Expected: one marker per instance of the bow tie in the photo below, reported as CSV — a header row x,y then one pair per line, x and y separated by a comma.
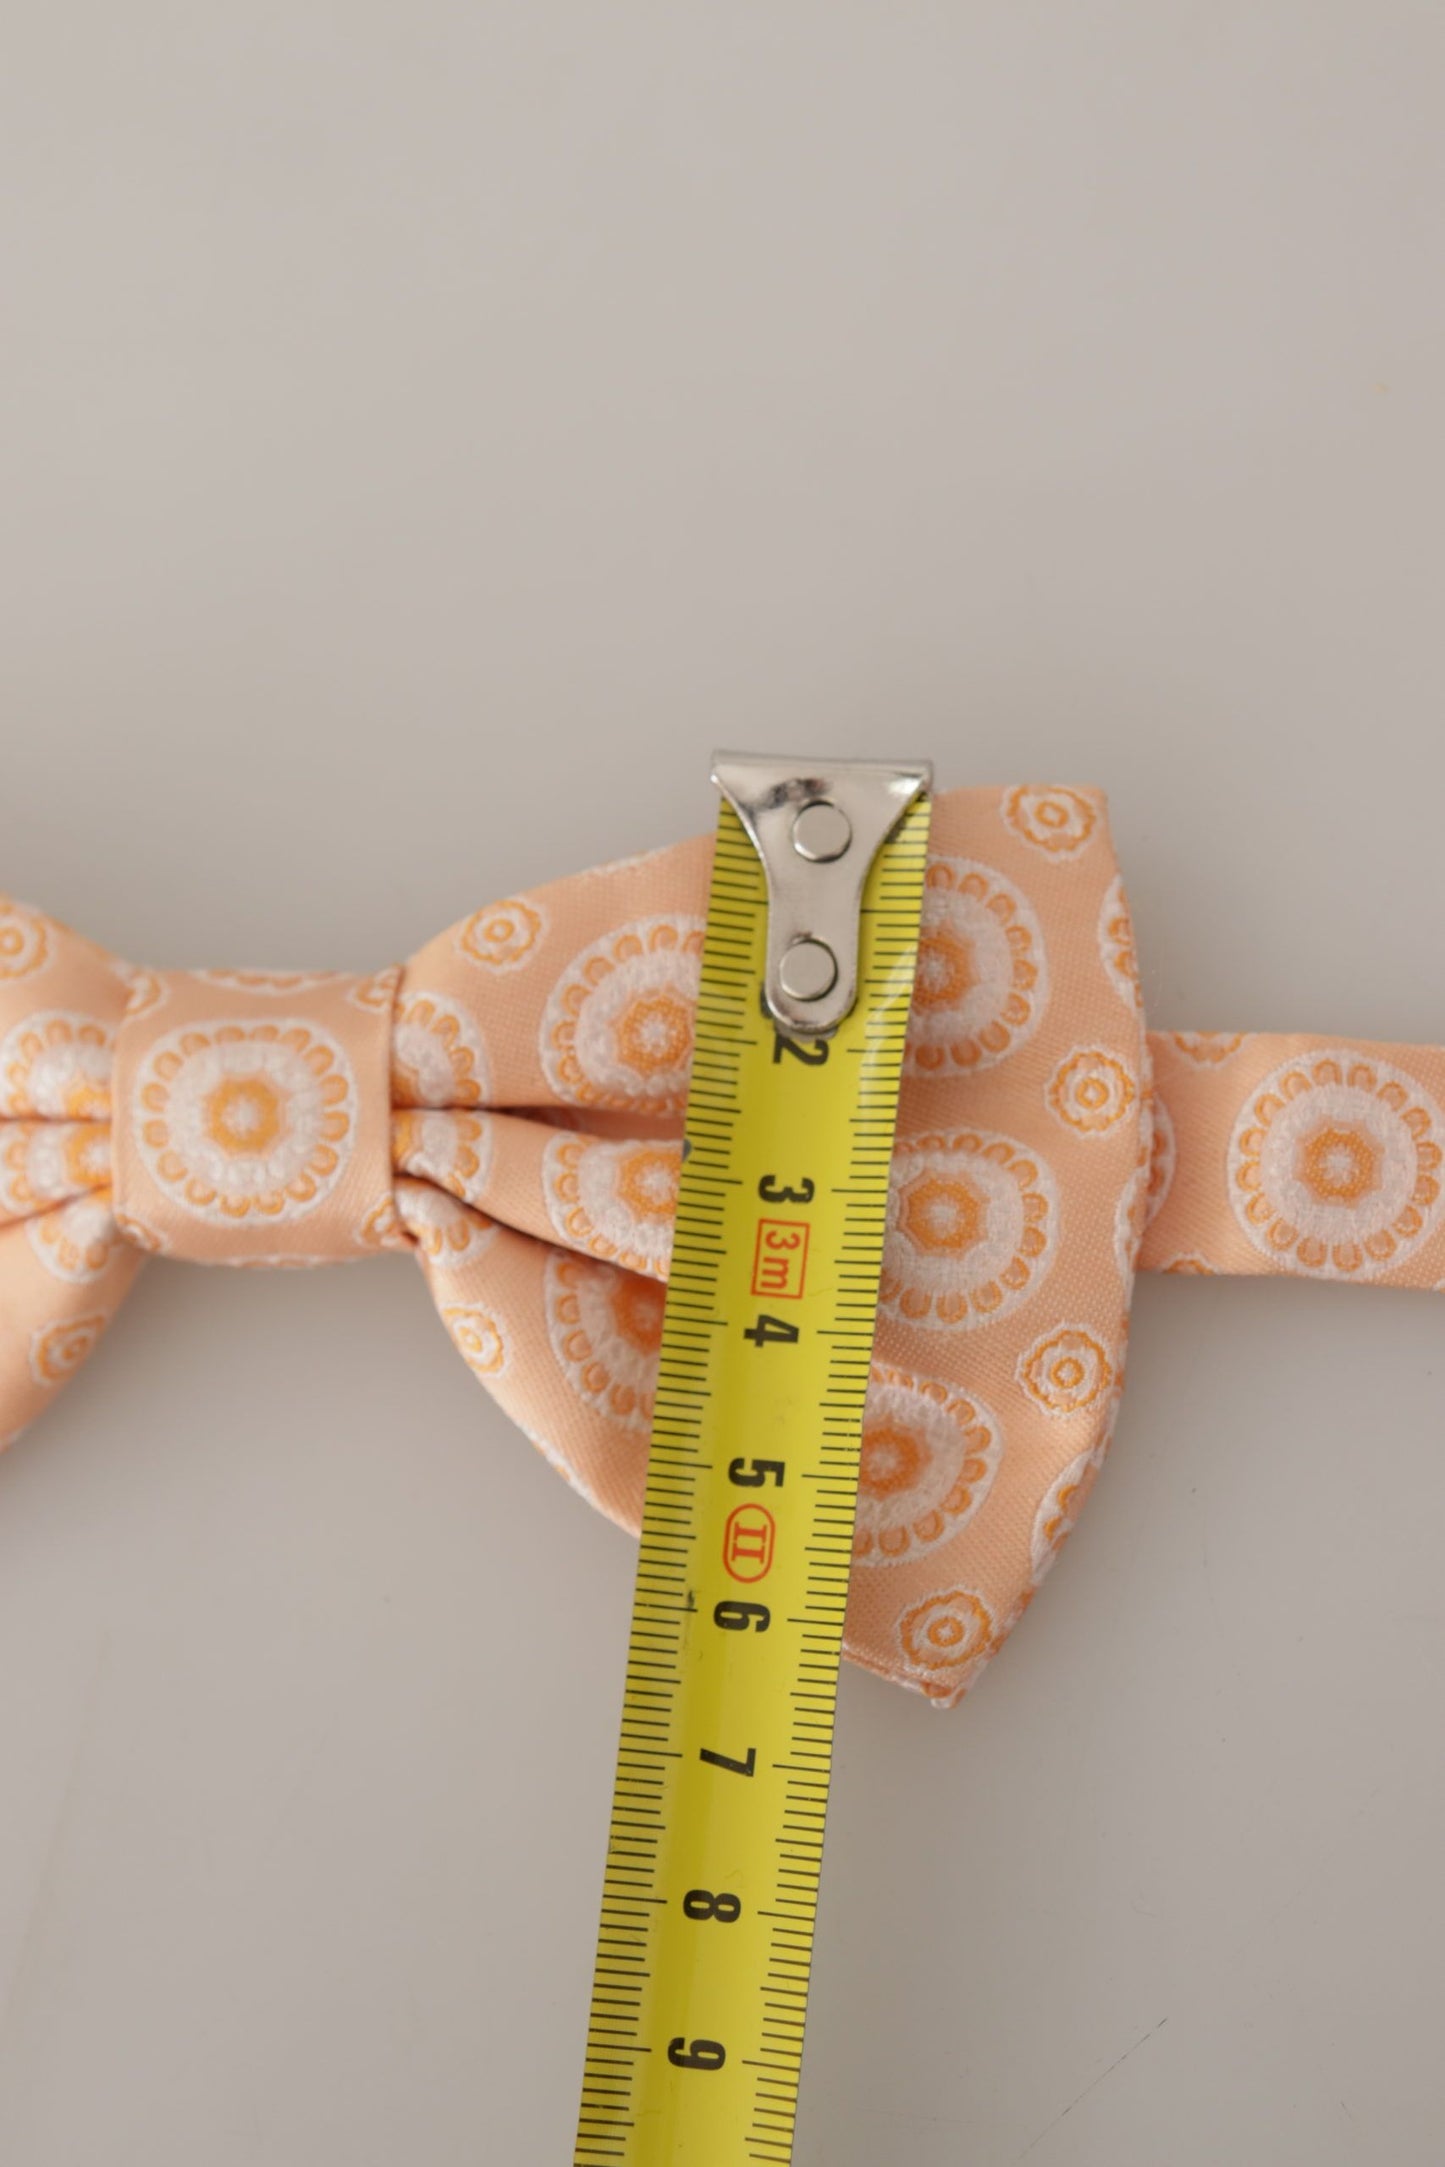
x,y
508,1104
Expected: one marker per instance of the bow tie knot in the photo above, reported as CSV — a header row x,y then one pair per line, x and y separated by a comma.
x,y
251,1115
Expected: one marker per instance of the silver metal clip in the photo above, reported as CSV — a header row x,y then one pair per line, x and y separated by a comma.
x,y
817,826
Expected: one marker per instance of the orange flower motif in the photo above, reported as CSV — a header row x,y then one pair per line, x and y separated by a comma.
x,y
1334,1166
448,1234
929,1457
1055,820
377,992
615,1200
24,940
605,1329
617,1030
1209,1048
75,1241
140,1234
503,935
1116,946
1190,1264
57,1350
144,990
437,1055
452,1149
949,1632
57,1066
982,979
48,1162
477,1338
1059,1510
1092,1091
972,1222
1066,1371
241,1121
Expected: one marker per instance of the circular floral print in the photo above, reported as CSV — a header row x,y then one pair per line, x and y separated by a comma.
x,y
75,1241
947,1634
477,1338
1092,1091
57,1350
605,1328
447,1233
1209,1048
615,1200
617,1030
48,1162
437,1054
929,1456
140,1234
982,978
145,989
503,935
972,1224
1116,946
241,1121
452,1149
1066,1371
1058,821
56,1065
1061,1505
24,939
375,994
1334,1166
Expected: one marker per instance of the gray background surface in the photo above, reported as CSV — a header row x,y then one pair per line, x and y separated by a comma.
x,y
426,431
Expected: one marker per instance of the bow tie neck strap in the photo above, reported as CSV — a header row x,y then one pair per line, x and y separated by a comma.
x,y
1321,1158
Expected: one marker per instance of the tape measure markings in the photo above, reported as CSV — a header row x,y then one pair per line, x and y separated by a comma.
x,y
715,1764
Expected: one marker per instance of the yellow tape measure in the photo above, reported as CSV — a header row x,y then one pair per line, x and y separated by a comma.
x,y
695,2037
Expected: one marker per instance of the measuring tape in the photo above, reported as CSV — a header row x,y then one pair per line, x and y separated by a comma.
x,y
695,2037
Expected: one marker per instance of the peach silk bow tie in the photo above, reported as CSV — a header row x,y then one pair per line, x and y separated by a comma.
x,y
508,1107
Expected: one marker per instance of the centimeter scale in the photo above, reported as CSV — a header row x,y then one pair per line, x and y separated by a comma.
x,y
695,2036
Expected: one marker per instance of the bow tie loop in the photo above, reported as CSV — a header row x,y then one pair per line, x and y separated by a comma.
x,y
252,1117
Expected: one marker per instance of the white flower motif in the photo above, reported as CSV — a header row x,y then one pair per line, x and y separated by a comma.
x,y
1092,1091
1334,1165
617,1029
1058,821
972,1220
477,1338
1059,1509
75,1241
982,980
1116,946
56,1065
504,934
605,1329
438,1057
615,1200
245,1121
928,1461
1066,1371
24,939
448,1234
